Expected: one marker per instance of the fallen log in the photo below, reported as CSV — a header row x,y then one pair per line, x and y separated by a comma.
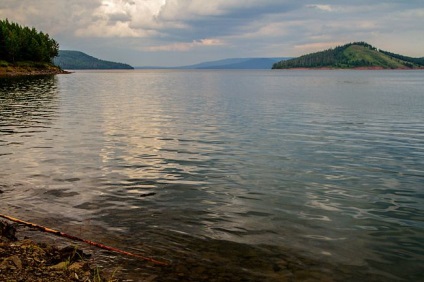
x,y
75,238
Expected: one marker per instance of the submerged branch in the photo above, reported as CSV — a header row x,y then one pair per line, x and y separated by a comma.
x,y
61,234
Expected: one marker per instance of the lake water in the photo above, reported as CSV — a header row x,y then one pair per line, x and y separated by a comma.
x,y
231,175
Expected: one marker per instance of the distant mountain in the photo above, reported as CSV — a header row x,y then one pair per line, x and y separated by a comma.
x,y
73,60
232,63
352,55
215,64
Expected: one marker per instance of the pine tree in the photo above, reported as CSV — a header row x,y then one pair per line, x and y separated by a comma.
x,y
19,43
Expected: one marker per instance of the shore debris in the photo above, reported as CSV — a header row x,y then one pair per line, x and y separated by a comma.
x,y
75,238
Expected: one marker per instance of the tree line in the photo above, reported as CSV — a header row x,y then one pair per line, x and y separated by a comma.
x,y
19,43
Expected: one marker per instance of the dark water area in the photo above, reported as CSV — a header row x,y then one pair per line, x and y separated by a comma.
x,y
230,175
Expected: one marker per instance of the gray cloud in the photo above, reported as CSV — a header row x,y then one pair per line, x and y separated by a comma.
x,y
145,32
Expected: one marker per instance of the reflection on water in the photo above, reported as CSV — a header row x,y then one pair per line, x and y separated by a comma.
x,y
327,166
28,109
27,105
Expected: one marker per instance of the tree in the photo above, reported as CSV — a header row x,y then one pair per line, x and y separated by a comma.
x,y
19,43
12,46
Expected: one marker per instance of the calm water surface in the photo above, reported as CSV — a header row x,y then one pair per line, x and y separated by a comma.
x,y
188,165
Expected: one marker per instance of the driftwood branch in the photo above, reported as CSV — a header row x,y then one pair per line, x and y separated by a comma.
x,y
61,234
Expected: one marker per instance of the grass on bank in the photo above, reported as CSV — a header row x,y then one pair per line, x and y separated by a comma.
x,y
356,54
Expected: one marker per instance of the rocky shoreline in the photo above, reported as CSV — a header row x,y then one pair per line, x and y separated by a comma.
x,y
12,71
26,260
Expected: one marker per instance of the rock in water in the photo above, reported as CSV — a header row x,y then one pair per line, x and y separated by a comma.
x,y
8,231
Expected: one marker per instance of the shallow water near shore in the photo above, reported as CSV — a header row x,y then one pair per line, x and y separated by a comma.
x,y
225,171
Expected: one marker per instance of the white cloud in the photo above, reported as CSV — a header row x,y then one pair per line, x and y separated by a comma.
x,y
123,18
102,29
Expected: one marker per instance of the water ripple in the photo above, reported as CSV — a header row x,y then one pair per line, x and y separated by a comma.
x,y
329,168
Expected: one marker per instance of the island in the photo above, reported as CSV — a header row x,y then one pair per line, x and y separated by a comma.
x,y
357,55
26,51
76,60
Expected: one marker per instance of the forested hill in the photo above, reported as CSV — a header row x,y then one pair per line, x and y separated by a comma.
x,y
73,60
352,55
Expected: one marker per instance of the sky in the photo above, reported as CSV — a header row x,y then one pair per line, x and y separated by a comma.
x,y
184,32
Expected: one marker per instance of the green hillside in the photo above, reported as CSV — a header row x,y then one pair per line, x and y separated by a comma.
x,y
73,60
352,55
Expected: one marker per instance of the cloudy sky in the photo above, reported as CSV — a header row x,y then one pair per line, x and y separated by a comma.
x,y
182,32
